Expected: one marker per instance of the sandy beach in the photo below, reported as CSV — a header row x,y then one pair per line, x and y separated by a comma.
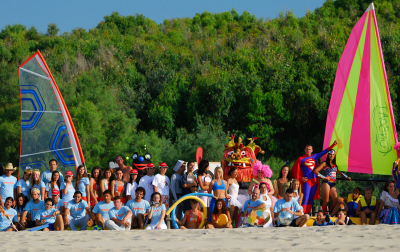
x,y
377,238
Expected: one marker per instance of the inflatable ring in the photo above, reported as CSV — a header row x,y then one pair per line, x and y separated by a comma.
x,y
186,197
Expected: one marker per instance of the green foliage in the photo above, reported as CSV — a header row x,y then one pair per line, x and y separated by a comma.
x,y
191,82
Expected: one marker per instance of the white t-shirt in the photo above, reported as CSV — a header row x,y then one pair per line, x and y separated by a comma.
x,y
147,183
131,188
162,182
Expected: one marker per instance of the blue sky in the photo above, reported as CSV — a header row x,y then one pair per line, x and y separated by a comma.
x,y
71,14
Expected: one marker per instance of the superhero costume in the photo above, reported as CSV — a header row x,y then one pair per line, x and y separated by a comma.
x,y
304,167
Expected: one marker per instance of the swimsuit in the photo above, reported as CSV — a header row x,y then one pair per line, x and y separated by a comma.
x,y
194,219
331,173
213,200
121,190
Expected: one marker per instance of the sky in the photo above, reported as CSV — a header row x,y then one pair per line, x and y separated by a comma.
x,y
87,14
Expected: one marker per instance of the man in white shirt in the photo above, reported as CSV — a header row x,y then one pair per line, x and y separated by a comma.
x,y
161,184
147,181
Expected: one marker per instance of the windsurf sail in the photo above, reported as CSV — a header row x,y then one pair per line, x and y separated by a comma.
x,y
360,114
47,131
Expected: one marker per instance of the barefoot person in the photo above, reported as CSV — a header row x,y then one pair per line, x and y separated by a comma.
x,y
161,184
46,176
289,205
55,184
233,190
124,168
253,204
120,216
7,183
77,213
389,205
220,208
147,181
139,208
192,218
219,188
8,216
349,203
31,209
302,170
94,187
50,216
329,180
367,207
100,211
82,183
156,213
24,185
118,186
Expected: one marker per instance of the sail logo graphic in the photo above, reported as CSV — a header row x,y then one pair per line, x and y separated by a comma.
x,y
382,130
59,145
33,106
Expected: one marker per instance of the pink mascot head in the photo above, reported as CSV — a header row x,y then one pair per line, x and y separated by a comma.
x,y
258,166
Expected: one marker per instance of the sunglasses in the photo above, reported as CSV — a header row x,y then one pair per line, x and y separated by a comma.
x,y
118,158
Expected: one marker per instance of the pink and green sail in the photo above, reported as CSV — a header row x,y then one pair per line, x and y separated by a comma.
x,y
360,114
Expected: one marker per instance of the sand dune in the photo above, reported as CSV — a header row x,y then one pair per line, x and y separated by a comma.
x,y
380,237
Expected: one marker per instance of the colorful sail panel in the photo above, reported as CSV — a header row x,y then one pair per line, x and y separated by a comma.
x,y
47,131
360,114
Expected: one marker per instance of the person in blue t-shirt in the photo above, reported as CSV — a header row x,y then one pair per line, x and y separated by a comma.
x,y
50,216
24,185
292,208
156,213
82,183
322,219
36,183
120,216
32,208
67,189
46,176
253,204
77,213
101,209
139,207
7,183
8,216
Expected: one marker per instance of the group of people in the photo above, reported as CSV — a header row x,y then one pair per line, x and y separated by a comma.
x,y
134,198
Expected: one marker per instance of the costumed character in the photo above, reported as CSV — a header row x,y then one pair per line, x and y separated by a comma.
x,y
141,162
262,173
303,170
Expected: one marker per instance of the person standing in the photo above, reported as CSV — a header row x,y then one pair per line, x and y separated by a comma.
x,y
82,183
161,184
37,183
67,190
24,185
55,184
118,186
303,171
124,168
177,186
189,184
219,187
132,184
94,188
147,181
46,176
7,184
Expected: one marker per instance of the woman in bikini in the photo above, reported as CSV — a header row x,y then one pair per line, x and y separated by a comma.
x,y
94,187
219,188
105,183
118,186
192,218
220,208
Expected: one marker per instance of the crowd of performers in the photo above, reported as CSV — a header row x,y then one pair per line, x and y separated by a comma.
x,y
125,198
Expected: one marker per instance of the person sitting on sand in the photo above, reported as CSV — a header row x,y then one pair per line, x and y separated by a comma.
x,y
22,200
220,209
388,210
253,204
267,200
343,219
57,203
156,213
139,208
32,208
367,207
120,216
100,211
349,203
50,216
290,205
322,219
8,211
76,213
192,218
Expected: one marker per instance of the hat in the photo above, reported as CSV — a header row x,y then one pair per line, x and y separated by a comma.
x,y
162,165
331,151
69,173
134,171
55,192
150,165
28,170
178,165
10,167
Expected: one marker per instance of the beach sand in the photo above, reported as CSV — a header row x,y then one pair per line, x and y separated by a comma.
x,y
364,238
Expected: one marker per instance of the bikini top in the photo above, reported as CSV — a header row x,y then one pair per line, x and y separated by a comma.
x,y
282,187
95,186
118,188
194,219
219,187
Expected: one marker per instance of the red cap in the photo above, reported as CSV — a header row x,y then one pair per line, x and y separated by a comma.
x,y
163,164
150,165
134,171
55,192
69,173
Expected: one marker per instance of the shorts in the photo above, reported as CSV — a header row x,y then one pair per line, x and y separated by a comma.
x,y
292,224
329,183
51,227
